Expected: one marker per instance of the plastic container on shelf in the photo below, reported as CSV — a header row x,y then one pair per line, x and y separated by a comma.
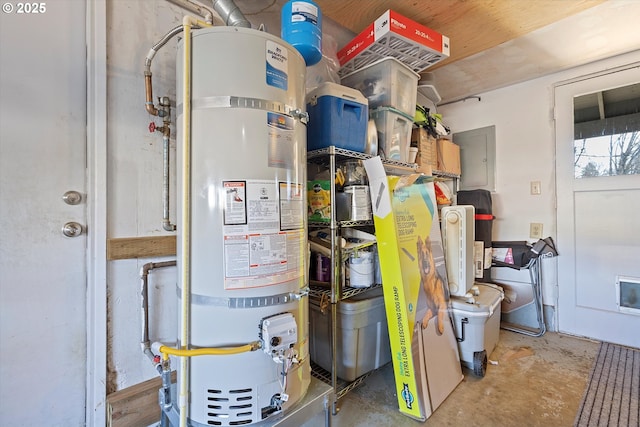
x,y
338,115
386,83
360,207
394,133
362,337
361,269
354,172
322,267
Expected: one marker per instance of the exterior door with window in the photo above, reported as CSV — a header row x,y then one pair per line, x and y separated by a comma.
x,y
598,190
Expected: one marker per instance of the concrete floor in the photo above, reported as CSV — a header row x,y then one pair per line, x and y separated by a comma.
x,y
534,382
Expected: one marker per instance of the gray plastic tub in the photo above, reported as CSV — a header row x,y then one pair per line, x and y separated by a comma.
x,y
362,335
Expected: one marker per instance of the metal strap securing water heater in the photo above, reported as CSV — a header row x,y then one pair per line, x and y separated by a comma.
x,y
245,102
250,302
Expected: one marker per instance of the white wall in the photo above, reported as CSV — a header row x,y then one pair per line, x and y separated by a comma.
x,y
135,179
525,152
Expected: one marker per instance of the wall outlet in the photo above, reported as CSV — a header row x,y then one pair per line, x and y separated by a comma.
x,y
535,230
535,188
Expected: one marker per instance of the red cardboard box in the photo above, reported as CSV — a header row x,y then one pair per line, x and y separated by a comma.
x,y
394,35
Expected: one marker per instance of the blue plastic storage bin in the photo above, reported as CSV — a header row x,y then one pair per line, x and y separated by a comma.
x,y
338,116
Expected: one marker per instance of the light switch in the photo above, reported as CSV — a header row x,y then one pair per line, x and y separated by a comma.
x,y
535,188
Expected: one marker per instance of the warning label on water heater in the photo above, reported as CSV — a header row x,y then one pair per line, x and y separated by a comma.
x,y
277,65
263,233
282,144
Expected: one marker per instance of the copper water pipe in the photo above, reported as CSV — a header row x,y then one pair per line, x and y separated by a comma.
x,y
151,109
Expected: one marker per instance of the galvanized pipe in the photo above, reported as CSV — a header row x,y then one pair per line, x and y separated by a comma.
x,y
166,222
144,296
230,13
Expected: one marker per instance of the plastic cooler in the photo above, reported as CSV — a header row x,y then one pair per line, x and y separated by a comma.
x,y
477,325
386,83
394,133
338,116
362,335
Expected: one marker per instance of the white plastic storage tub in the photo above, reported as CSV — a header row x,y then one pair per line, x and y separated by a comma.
x,y
394,133
386,83
477,325
362,335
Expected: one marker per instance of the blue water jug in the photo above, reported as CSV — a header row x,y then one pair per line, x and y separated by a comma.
x,y
302,28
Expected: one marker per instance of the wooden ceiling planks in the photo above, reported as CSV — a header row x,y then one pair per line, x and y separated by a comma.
x,y
471,25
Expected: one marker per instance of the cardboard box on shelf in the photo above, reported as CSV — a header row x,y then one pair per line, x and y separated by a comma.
x,y
397,36
427,158
448,156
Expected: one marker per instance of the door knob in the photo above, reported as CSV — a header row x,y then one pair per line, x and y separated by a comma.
x,y
72,229
72,197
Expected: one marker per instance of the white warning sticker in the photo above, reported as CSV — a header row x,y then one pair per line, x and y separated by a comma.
x,y
264,238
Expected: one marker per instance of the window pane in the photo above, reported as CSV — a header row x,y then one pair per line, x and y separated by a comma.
x,y
609,155
607,132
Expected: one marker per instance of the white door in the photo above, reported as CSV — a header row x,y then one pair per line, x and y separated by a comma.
x,y
43,282
598,225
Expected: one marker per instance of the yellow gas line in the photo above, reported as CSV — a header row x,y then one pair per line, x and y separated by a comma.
x,y
208,351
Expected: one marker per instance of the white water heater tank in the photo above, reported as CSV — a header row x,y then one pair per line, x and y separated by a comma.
x,y
248,243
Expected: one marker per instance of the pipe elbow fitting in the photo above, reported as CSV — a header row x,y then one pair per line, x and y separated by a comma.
x,y
168,226
156,346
